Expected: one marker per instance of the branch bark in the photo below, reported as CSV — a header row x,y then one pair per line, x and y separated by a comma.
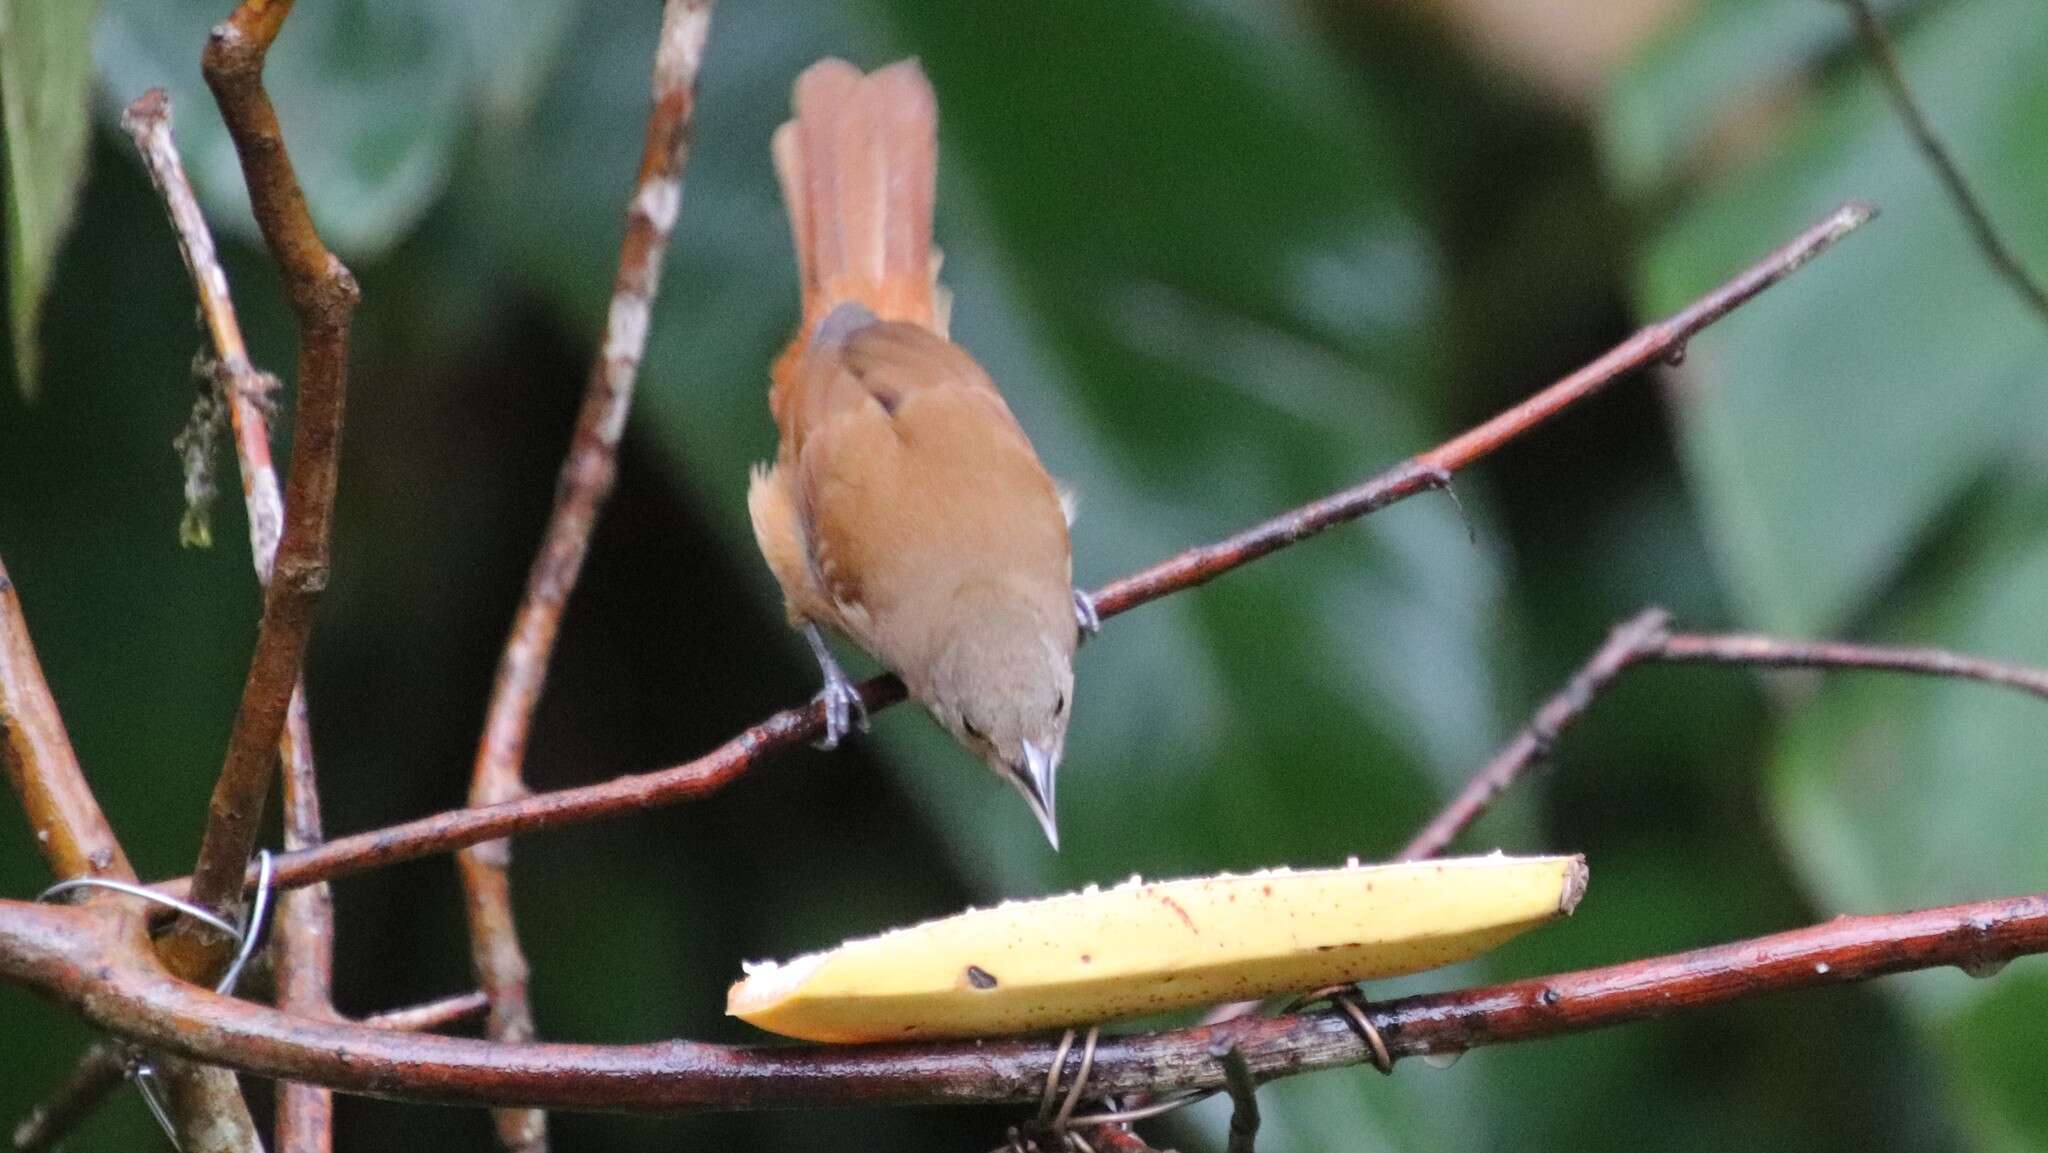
x,y
1647,639
323,295
100,965
344,856
586,482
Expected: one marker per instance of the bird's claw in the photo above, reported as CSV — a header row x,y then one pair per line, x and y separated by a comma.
x,y
1085,615
844,710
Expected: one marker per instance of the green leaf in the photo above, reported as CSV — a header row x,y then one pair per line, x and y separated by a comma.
x,y
376,97
1900,793
1665,104
1832,423
45,73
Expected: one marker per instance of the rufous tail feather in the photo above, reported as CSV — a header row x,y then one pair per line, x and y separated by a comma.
x,y
858,166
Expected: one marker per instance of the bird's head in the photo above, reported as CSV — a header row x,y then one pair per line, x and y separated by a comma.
x,y
1003,685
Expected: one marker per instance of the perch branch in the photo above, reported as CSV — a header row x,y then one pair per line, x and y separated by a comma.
x,y
1877,44
1647,639
100,965
790,728
586,481
323,295
305,917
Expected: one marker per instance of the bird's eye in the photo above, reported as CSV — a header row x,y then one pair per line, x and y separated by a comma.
x,y
1059,704
968,725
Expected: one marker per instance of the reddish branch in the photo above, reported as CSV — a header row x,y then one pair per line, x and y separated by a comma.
x,y
586,482
323,295
1647,639
432,1015
69,829
790,728
305,917
100,965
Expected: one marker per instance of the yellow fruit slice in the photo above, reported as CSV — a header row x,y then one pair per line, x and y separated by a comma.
x,y
1138,949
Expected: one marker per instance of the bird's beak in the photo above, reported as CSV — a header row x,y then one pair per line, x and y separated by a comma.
x,y
1035,780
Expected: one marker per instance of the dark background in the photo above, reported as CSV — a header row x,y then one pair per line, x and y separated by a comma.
x,y
1224,257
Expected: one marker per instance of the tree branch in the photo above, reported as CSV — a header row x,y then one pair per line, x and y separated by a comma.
x,y
789,728
432,1015
305,917
1647,639
587,476
323,295
99,964
97,1074
1877,44
69,829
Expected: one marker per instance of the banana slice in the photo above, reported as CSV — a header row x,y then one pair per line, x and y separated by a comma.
x,y
1139,948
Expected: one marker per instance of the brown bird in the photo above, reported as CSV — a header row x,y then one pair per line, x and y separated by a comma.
x,y
906,509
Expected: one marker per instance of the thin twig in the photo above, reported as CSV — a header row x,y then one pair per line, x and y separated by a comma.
x,y
323,295
791,728
1877,43
1244,1099
100,966
98,1073
1646,639
303,946
432,1015
586,481
305,917
1625,645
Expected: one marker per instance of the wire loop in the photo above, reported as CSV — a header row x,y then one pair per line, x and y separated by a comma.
x,y
135,1062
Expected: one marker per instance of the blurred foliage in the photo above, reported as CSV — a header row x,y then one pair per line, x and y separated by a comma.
x,y
45,73
1224,258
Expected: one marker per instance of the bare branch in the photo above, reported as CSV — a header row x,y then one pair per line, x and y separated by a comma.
x,y
97,1074
99,964
1877,44
1646,639
432,1015
323,295
70,830
305,917
444,832
588,474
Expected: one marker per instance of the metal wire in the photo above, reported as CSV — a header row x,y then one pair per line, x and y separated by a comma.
x,y
136,1063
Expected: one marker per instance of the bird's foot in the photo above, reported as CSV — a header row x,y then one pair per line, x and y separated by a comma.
x,y
844,708
1085,615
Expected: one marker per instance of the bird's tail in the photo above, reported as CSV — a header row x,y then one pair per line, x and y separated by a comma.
x,y
858,165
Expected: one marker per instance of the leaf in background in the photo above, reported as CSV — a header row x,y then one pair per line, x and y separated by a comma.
x,y
1867,414
1830,425
1898,793
1663,106
45,73
375,95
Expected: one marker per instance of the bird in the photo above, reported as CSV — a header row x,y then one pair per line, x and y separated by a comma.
x,y
905,509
